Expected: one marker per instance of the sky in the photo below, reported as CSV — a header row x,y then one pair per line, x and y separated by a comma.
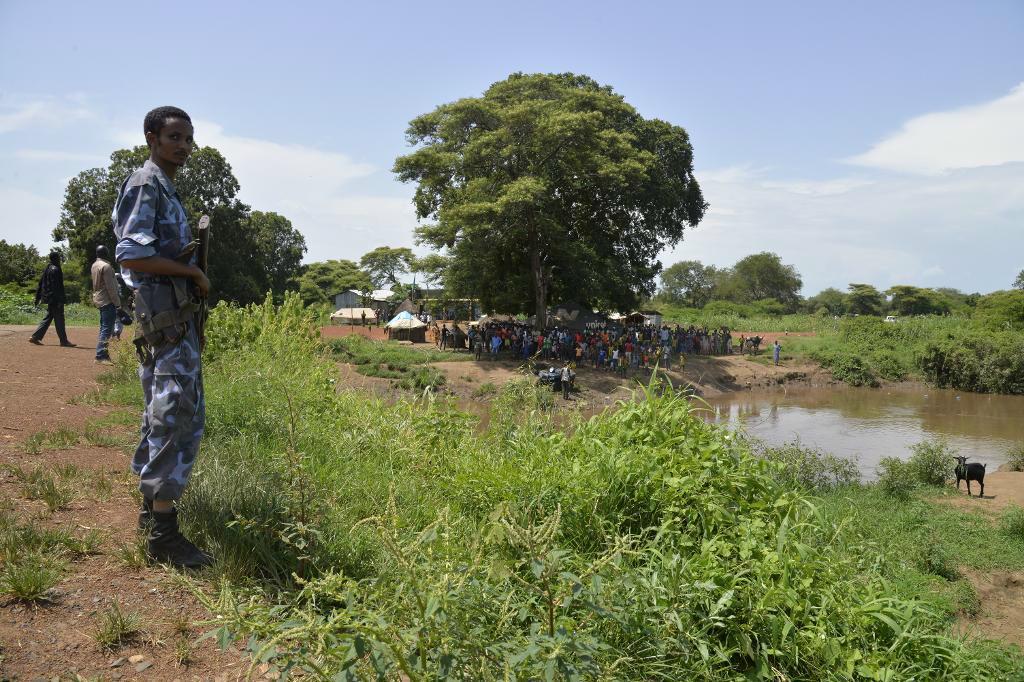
x,y
873,142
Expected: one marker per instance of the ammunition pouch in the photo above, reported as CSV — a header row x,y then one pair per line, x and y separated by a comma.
x,y
164,308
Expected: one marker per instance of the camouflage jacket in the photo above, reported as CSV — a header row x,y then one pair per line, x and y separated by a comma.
x,y
149,220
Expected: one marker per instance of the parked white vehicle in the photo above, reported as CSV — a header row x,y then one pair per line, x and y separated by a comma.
x,y
890,318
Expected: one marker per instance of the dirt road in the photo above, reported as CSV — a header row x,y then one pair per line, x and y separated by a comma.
x,y
86,453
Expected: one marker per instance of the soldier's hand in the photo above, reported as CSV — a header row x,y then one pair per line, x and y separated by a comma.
x,y
202,283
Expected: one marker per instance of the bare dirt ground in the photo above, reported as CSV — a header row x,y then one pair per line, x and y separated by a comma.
x,y
1001,592
40,390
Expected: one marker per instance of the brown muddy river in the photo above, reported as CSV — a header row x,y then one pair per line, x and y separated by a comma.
x,y
866,424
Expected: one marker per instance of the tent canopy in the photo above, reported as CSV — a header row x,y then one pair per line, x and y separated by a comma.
x,y
405,320
347,315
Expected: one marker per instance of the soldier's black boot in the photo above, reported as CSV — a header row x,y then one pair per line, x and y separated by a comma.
x,y
145,515
168,546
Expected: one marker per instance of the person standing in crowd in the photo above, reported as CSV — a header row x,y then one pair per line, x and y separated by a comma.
x,y
152,233
566,381
106,297
776,352
51,292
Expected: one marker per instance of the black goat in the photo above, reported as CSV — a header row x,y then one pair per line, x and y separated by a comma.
x,y
969,472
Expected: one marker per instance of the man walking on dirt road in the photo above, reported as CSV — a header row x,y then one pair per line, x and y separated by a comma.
x,y
107,298
51,292
153,242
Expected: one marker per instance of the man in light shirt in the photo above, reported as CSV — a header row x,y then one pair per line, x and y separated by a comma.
x,y
107,298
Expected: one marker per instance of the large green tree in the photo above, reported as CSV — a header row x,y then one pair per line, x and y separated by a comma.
x,y
831,300
763,275
550,186
384,264
864,299
688,283
251,252
19,263
320,281
1019,282
433,268
905,299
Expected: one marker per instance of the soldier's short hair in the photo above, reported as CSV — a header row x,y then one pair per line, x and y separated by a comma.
x,y
156,119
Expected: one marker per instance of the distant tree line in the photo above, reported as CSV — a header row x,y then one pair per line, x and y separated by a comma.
x,y
762,284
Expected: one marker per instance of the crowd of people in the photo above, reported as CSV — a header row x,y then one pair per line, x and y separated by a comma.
x,y
610,347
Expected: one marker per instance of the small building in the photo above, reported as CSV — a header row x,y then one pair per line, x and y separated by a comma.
x,y
352,298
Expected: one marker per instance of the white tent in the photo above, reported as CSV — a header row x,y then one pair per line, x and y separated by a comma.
x,y
353,316
405,320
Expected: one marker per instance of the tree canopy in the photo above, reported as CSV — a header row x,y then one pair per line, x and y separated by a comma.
x,y
550,186
864,299
689,283
384,264
251,252
320,281
1019,282
910,300
19,264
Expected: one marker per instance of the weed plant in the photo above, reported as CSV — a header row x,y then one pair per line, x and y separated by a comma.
x,y
1011,522
60,438
810,469
30,577
1015,458
359,540
38,484
931,461
116,627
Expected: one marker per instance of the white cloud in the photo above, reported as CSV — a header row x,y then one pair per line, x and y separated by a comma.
x,y
52,155
48,111
959,229
987,134
27,217
311,187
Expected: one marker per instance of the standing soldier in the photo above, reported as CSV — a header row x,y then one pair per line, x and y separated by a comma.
x,y
152,234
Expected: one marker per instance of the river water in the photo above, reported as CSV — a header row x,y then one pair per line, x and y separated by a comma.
x,y
866,424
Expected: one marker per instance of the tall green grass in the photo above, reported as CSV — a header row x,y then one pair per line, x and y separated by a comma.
x,y
19,309
358,539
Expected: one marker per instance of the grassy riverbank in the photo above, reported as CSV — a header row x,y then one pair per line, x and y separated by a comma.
x,y
354,535
969,353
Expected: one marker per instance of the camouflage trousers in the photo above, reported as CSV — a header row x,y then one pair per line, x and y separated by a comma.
x,y
173,419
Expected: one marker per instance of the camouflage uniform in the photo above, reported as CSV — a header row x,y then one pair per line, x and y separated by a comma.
x,y
149,220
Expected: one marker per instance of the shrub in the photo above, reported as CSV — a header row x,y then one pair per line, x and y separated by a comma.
x,y
797,466
965,598
895,477
984,362
888,366
934,558
1015,458
1011,522
931,462
846,367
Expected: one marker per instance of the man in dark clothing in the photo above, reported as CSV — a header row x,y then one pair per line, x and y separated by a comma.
x,y
51,292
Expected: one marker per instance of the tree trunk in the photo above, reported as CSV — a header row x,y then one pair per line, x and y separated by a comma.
x,y
540,288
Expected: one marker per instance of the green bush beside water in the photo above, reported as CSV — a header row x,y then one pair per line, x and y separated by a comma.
x,y
357,538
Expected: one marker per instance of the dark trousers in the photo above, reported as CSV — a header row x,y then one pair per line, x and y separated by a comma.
x,y
55,314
